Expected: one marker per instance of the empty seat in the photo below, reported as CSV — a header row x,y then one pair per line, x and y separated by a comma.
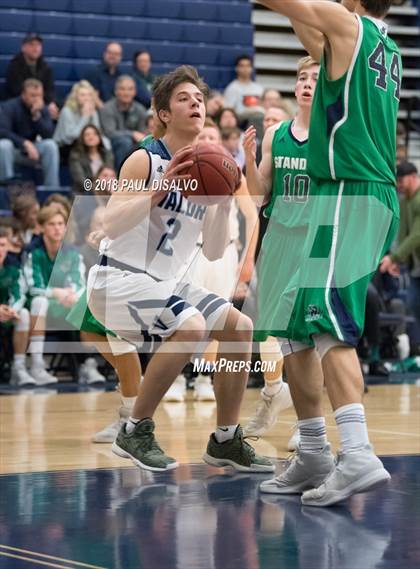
x,y
199,10
167,53
99,7
16,20
58,46
16,4
62,88
62,68
163,8
202,32
90,25
126,27
226,75
164,30
228,54
57,5
236,34
4,62
94,47
82,67
11,42
127,7
52,23
234,12
201,55
210,74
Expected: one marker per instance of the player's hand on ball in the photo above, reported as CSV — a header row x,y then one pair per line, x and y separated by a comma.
x,y
249,143
178,164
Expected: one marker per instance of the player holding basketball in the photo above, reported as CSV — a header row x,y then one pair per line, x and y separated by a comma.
x,y
354,217
282,167
136,293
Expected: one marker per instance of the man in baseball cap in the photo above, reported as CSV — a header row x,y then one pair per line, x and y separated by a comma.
x,y
29,64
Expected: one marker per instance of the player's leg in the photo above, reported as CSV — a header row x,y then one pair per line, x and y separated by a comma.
x,y
40,305
20,375
358,468
136,440
124,358
203,388
275,395
313,459
226,445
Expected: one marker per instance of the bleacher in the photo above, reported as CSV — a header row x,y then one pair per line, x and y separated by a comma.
x,y
208,34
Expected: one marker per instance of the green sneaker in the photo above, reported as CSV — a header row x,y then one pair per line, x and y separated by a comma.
x,y
141,446
237,453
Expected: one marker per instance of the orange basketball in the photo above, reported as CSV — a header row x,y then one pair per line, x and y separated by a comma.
x,y
214,174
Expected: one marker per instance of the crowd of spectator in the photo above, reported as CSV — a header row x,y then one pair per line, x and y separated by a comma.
x,y
104,117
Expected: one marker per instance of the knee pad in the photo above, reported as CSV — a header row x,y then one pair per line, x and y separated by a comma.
x,y
325,342
120,347
22,325
290,347
39,306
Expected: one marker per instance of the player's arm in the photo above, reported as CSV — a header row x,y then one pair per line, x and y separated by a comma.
x,y
312,39
128,207
252,225
216,230
259,179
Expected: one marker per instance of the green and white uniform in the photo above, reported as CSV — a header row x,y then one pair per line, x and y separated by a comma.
x,y
42,273
12,287
353,206
287,230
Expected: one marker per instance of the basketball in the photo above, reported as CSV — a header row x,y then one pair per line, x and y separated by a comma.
x,y
215,171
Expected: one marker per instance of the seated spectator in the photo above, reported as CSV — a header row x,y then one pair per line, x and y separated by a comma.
x,y
26,132
215,104
150,125
244,94
271,98
227,118
12,228
25,209
87,157
123,119
274,115
55,275
408,249
13,315
231,140
29,64
104,76
143,77
80,109
85,205
60,201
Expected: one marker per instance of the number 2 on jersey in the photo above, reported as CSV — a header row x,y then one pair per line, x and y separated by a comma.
x,y
174,225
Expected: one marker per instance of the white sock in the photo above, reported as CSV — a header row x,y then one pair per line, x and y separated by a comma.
x,y
36,349
313,434
225,433
351,424
19,361
272,387
128,402
131,424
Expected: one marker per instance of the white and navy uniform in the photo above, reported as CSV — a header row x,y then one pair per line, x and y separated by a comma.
x,y
220,276
137,289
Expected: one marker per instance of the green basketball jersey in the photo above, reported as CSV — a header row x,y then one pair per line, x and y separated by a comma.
x,y
354,119
291,184
12,285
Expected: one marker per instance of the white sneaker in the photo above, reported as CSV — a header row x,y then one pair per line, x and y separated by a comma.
x,y
403,346
203,389
304,470
110,432
268,411
358,470
42,377
176,392
89,373
20,377
294,440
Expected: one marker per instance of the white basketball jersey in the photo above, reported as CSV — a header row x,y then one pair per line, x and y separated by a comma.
x,y
165,240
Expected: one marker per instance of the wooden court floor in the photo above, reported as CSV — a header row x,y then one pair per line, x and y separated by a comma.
x,y
49,431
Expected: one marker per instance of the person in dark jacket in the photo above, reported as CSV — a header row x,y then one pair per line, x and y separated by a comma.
x,y
143,77
29,64
26,132
88,157
104,75
123,119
